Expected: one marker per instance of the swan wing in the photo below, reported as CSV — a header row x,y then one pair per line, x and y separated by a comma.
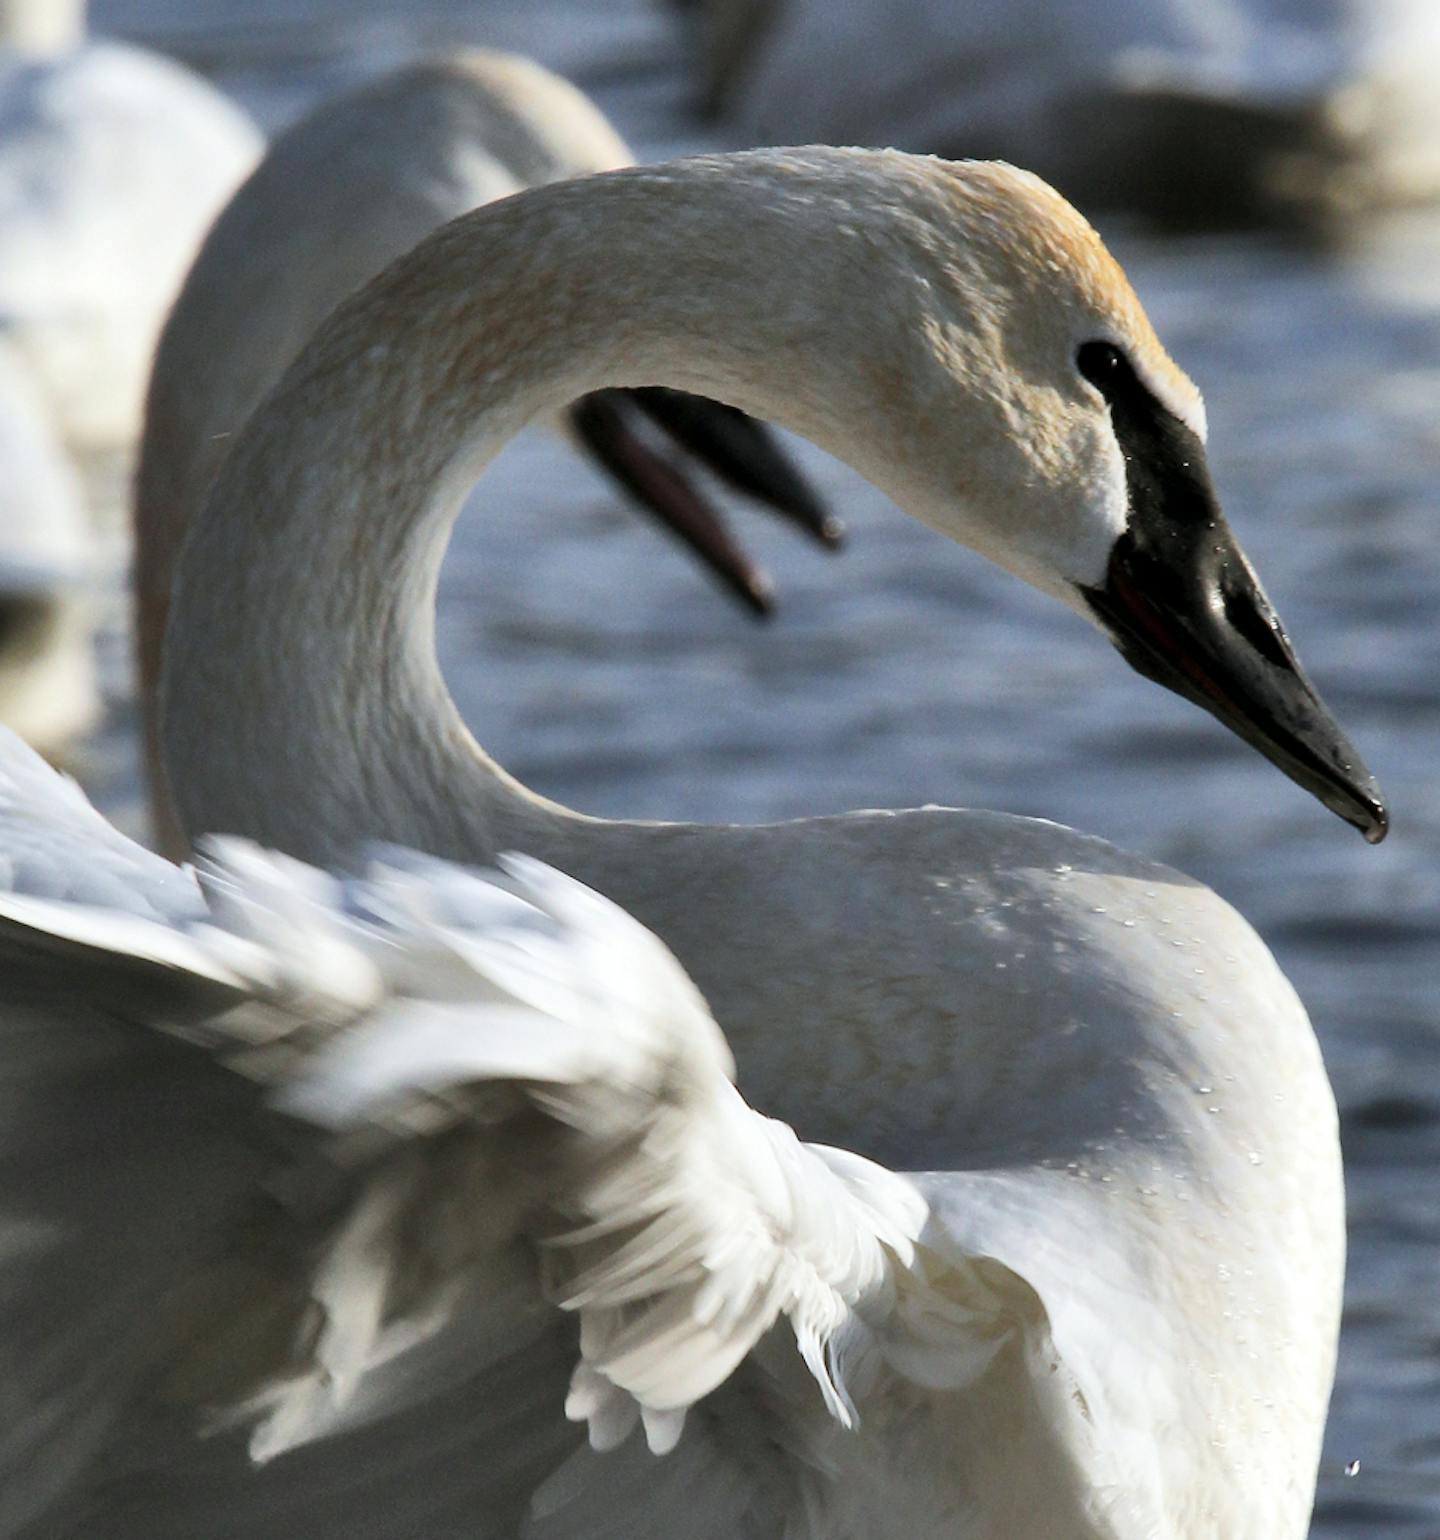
x,y
258,1096
54,846
787,1323
672,1221
737,1292
306,1218
114,1143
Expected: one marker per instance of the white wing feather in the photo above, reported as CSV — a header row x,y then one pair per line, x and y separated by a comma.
x,y
329,1260
54,845
679,1224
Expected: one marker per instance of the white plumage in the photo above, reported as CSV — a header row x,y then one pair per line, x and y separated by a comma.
x,y
47,675
112,163
1120,1315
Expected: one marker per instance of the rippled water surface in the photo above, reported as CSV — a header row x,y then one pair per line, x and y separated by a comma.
x,y
597,664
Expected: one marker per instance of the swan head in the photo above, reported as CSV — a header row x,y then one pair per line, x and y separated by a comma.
x,y
1056,436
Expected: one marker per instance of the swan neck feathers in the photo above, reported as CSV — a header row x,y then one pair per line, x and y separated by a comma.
x,y
911,315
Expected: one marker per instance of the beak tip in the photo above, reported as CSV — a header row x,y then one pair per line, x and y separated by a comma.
x,y
1377,825
759,592
1362,805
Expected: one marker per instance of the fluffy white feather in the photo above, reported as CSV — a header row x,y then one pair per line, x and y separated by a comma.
x,y
678,1223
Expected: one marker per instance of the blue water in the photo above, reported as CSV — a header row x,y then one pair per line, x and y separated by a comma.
x,y
604,671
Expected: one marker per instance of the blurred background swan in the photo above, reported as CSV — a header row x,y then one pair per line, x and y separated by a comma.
x,y
1198,113
48,563
113,161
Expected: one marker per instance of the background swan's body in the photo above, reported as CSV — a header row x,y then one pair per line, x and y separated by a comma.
x,y
339,196
1132,1343
113,161
931,988
1234,109
47,674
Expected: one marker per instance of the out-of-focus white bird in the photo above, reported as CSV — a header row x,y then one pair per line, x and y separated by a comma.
x,y
1234,109
342,193
331,1206
47,564
113,162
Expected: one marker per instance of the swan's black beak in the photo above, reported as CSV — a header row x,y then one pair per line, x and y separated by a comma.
x,y
1183,605
734,447
1213,638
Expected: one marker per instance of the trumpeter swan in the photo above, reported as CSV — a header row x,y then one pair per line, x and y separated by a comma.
x,y
47,672
933,988
333,1205
113,161
341,194
1231,109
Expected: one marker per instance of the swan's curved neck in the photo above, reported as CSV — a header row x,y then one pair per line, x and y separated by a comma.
x,y
42,27
302,699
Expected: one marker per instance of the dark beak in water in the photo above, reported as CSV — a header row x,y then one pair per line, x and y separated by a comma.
x,y
1184,607
622,429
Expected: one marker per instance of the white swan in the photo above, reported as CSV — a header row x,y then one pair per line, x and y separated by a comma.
x,y
501,1178
1233,108
47,670
340,195
112,163
934,988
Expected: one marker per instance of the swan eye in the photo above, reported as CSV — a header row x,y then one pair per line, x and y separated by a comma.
x,y
1102,363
